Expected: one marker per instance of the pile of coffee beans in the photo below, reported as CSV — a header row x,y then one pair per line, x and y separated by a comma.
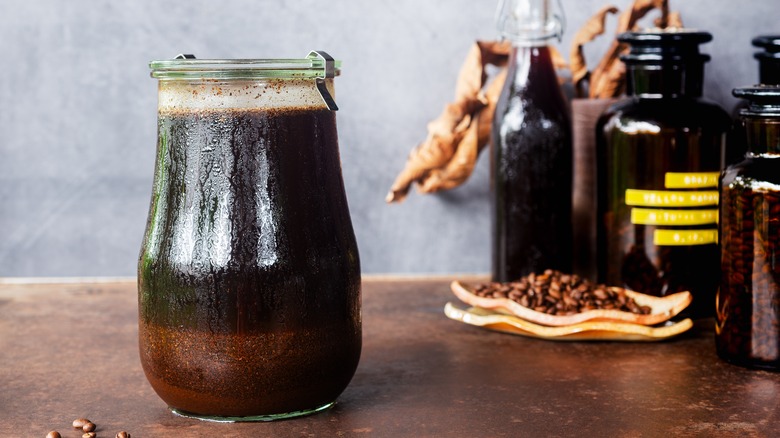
x,y
88,428
556,293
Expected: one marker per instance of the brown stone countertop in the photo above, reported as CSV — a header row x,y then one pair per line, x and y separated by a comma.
x,y
70,350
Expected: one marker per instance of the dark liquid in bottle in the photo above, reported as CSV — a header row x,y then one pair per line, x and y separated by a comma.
x,y
531,171
249,277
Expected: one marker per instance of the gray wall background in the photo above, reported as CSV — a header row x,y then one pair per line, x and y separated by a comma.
x,y
78,114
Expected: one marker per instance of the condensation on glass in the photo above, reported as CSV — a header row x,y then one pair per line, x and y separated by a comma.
x,y
248,277
531,150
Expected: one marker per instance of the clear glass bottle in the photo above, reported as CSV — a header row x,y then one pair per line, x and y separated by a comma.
x,y
531,153
660,153
748,301
248,277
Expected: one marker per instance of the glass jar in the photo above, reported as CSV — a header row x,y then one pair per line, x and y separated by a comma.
x,y
748,301
531,151
248,278
660,154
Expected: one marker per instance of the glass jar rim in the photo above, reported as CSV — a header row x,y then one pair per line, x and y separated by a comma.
x,y
241,68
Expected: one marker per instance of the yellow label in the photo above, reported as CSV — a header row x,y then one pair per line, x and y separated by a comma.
x,y
685,237
657,216
671,198
690,180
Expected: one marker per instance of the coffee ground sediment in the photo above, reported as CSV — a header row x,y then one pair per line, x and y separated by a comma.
x,y
249,374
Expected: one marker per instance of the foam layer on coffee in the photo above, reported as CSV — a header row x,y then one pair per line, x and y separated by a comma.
x,y
210,95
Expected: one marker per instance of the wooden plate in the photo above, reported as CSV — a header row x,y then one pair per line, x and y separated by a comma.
x,y
584,331
662,308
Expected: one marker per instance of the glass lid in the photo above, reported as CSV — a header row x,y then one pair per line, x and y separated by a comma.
x,y
186,66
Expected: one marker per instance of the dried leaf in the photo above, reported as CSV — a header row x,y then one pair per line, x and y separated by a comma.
x,y
558,61
639,9
587,33
495,52
461,166
673,21
602,81
663,20
451,126
492,94
613,81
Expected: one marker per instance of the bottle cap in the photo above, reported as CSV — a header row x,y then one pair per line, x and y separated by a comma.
x,y
675,46
769,59
770,43
764,100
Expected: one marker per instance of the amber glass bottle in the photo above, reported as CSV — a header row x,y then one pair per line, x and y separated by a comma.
x,y
531,154
659,157
748,301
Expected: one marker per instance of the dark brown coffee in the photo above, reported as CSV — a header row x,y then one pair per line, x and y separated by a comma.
x,y
249,279
531,170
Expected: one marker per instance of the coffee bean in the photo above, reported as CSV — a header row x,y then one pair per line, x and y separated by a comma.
x,y
123,434
88,427
80,422
555,293
53,434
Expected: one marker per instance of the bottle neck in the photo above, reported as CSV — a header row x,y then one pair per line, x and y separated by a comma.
x,y
665,80
769,70
768,59
529,63
762,134
529,22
